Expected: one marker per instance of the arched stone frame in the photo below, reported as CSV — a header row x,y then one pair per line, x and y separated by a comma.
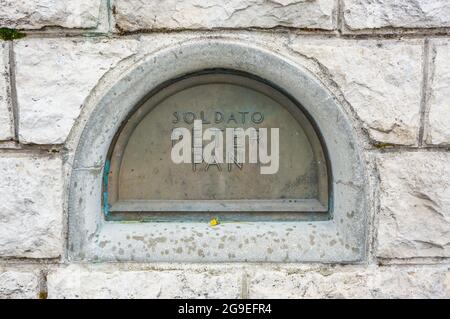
x,y
340,239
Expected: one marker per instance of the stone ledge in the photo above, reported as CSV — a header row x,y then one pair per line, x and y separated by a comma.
x,y
135,15
98,282
253,281
437,129
414,216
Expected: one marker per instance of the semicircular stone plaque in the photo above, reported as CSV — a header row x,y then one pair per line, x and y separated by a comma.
x,y
143,178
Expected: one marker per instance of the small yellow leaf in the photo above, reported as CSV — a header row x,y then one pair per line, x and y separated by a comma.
x,y
214,222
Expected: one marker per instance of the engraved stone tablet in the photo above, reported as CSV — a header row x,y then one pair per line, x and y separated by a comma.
x,y
143,177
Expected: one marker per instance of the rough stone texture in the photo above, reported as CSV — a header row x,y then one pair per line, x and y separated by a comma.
x,y
380,79
414,217
54,76
291,281
35,14
6,129
341,282
439,103
30,206
79,282
367,14
132,15
18,285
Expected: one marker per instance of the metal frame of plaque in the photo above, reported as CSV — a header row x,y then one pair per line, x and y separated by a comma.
x,y
156,209
338,238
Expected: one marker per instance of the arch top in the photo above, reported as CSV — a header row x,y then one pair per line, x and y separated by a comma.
x,y
346,221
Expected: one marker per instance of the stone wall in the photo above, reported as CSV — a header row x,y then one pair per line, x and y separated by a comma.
x,y
387,63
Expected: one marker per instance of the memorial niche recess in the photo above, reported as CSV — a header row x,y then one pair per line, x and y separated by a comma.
x,y
142,181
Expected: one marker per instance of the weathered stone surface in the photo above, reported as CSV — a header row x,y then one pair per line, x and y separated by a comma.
x,y
18,285
79,282
6,129
367,14
35,14
30,206
54,77
438,130
380,79
414,216
284,284
196,14
351,282
285,281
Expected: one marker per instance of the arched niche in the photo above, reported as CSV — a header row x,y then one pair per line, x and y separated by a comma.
x,y
323,221
142,180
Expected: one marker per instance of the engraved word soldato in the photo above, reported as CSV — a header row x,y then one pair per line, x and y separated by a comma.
x,y
225,148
